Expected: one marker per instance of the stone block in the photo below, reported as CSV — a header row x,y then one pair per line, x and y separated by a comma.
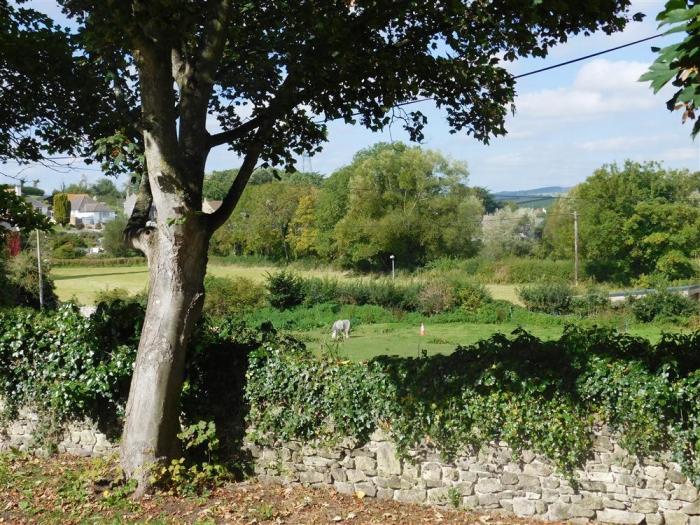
x,y
385,494
614,504
489,500
438,495
602,444
448,473
391,482
558,511
550,483
591,502
344,488
488,486
622,517
654,519
655,472
311,477
676,518
411,471
465,488
432,474
368,488
509,478
366,465
523,507
675,476
528,482
387,461
527,456
647,506
537,468
410,495
607,477
685,493
470,502
355,476
692,509
339,474
577,511
465,475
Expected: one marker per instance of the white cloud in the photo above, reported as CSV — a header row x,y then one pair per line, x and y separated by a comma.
x,y
601,87
620,142
676,154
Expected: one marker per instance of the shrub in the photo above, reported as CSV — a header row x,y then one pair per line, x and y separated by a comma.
x,y
552,298
436,297
227,296
592,302
471,296
284,289
663,304
113,295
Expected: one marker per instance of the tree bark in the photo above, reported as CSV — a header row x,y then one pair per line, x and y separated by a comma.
x,y
177,264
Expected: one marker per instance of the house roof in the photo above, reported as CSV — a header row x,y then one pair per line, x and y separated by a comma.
x,y
82,202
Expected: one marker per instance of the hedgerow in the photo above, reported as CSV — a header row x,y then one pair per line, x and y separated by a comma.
x,y
542,396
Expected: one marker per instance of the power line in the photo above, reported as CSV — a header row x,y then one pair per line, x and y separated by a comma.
x,y
522,75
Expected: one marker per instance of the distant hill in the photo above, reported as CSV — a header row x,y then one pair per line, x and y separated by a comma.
x,y
534,198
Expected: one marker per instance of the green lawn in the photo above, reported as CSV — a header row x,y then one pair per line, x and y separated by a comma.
x,y
367,341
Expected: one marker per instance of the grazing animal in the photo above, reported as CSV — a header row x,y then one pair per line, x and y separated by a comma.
x,y
341,326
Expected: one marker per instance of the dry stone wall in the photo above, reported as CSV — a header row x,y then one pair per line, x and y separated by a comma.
x,y
614,487
78,439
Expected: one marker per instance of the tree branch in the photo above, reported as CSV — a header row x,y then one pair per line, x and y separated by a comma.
x,y
216,219
233,134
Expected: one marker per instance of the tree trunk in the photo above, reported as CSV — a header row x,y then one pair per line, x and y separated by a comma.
x,y
177,258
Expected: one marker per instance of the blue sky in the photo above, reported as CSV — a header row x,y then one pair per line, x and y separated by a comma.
x,y
568,121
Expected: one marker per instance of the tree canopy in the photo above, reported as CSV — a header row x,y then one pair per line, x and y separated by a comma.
x,y
631,217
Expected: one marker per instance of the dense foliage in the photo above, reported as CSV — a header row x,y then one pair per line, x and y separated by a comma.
x,y
663,304
634,220
543,396
548,297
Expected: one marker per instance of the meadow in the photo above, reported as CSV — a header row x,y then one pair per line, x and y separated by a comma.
x,y
83,283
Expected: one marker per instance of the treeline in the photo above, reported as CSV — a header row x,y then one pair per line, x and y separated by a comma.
x,y
637,221
391,200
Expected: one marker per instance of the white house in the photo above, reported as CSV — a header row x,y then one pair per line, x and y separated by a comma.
x,y
86,210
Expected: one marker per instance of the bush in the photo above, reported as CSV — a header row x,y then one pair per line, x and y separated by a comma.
x,y
594,301
436,297
113,295
551,298
100,261
472,296
284,289
663,304
230,296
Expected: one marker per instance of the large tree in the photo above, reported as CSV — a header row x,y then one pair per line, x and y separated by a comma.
x,y
137,84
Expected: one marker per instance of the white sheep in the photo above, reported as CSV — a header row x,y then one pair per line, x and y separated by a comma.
x,y
340,326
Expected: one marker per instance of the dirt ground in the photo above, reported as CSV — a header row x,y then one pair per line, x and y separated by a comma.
x,y
75,491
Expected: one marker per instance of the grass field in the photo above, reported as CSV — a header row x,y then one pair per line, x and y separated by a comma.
x,y
367,341
82,283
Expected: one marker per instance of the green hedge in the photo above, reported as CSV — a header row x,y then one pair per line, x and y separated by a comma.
x,y
543,396
100,261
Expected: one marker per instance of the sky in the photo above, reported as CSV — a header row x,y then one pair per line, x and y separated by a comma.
x,y
568,121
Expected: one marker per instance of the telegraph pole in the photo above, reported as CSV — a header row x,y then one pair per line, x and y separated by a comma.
x,y
38,264
575,248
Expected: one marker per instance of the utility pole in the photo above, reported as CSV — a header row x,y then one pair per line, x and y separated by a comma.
x,y
575,248
38,264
